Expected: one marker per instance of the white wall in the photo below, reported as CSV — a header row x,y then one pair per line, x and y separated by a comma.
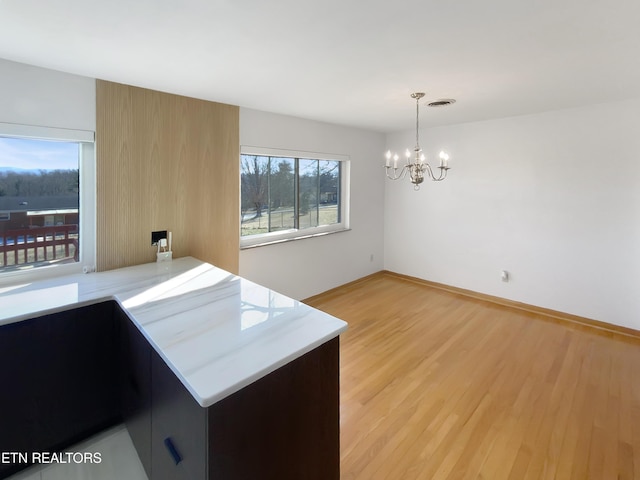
x,y
553,198
36,96
303,268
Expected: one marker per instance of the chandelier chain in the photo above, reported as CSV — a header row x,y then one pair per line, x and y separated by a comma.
x,y
417,123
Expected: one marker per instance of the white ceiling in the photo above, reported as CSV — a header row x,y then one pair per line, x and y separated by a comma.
x,y
350,62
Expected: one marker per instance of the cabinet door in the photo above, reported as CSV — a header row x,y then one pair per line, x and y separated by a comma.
x,y
59,380
135,386
284,426
178,428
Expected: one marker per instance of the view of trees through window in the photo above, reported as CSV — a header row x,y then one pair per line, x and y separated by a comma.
x,y
283,193
39,202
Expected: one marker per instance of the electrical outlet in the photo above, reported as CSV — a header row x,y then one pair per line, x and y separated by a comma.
x,y
156,236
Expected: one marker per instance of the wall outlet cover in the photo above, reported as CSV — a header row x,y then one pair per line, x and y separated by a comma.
x,y
164,257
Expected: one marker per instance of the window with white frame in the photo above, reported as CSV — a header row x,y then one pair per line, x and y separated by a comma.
x,y
47,200
290,195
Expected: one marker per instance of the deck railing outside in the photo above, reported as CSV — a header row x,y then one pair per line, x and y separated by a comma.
x,y
39,244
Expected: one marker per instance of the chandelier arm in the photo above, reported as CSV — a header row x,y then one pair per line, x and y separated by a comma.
x,y
439,178
395,175
443,174
427,167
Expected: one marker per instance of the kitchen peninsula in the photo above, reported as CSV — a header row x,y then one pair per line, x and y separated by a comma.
x,y
214,376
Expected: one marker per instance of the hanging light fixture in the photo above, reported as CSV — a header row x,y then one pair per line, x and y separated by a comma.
x,y
417,166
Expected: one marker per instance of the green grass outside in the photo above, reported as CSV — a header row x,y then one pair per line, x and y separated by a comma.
x,y
282,219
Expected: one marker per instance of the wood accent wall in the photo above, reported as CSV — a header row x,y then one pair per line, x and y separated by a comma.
x,y
165,162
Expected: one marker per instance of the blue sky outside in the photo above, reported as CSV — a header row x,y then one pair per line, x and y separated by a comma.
x,y
38,154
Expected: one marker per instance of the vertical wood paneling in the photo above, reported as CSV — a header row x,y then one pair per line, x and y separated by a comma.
x,y
215,129
165,162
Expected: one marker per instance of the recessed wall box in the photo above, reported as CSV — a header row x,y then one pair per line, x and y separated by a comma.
x,y
156,236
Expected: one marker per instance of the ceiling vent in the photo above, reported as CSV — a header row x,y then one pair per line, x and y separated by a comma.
x,y
441,103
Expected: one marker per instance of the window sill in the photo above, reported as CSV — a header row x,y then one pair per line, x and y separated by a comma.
x,y
29,274
291,239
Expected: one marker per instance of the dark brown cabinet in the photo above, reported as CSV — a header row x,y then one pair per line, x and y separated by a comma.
x,y
135,385
166,425
285,426
59,380
69,375
178,428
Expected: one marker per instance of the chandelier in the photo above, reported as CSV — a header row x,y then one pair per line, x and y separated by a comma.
x,y
417,166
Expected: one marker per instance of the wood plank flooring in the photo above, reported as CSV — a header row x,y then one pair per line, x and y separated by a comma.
x,y
435,385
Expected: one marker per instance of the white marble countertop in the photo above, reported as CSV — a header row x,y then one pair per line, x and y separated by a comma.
x,y
218,332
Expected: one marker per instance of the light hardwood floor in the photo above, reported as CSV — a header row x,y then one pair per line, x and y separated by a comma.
x,y
435,385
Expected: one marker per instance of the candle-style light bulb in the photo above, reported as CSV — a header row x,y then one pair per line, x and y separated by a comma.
x,y
395,161
422,158
388,157
444,159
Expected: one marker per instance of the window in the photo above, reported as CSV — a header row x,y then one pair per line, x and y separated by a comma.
x,y
287,195
47,200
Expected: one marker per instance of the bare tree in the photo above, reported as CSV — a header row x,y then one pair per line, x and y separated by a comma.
x,y
254,170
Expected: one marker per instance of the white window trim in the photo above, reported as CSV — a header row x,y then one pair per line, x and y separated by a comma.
x,y
281,236
46,133
87,200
